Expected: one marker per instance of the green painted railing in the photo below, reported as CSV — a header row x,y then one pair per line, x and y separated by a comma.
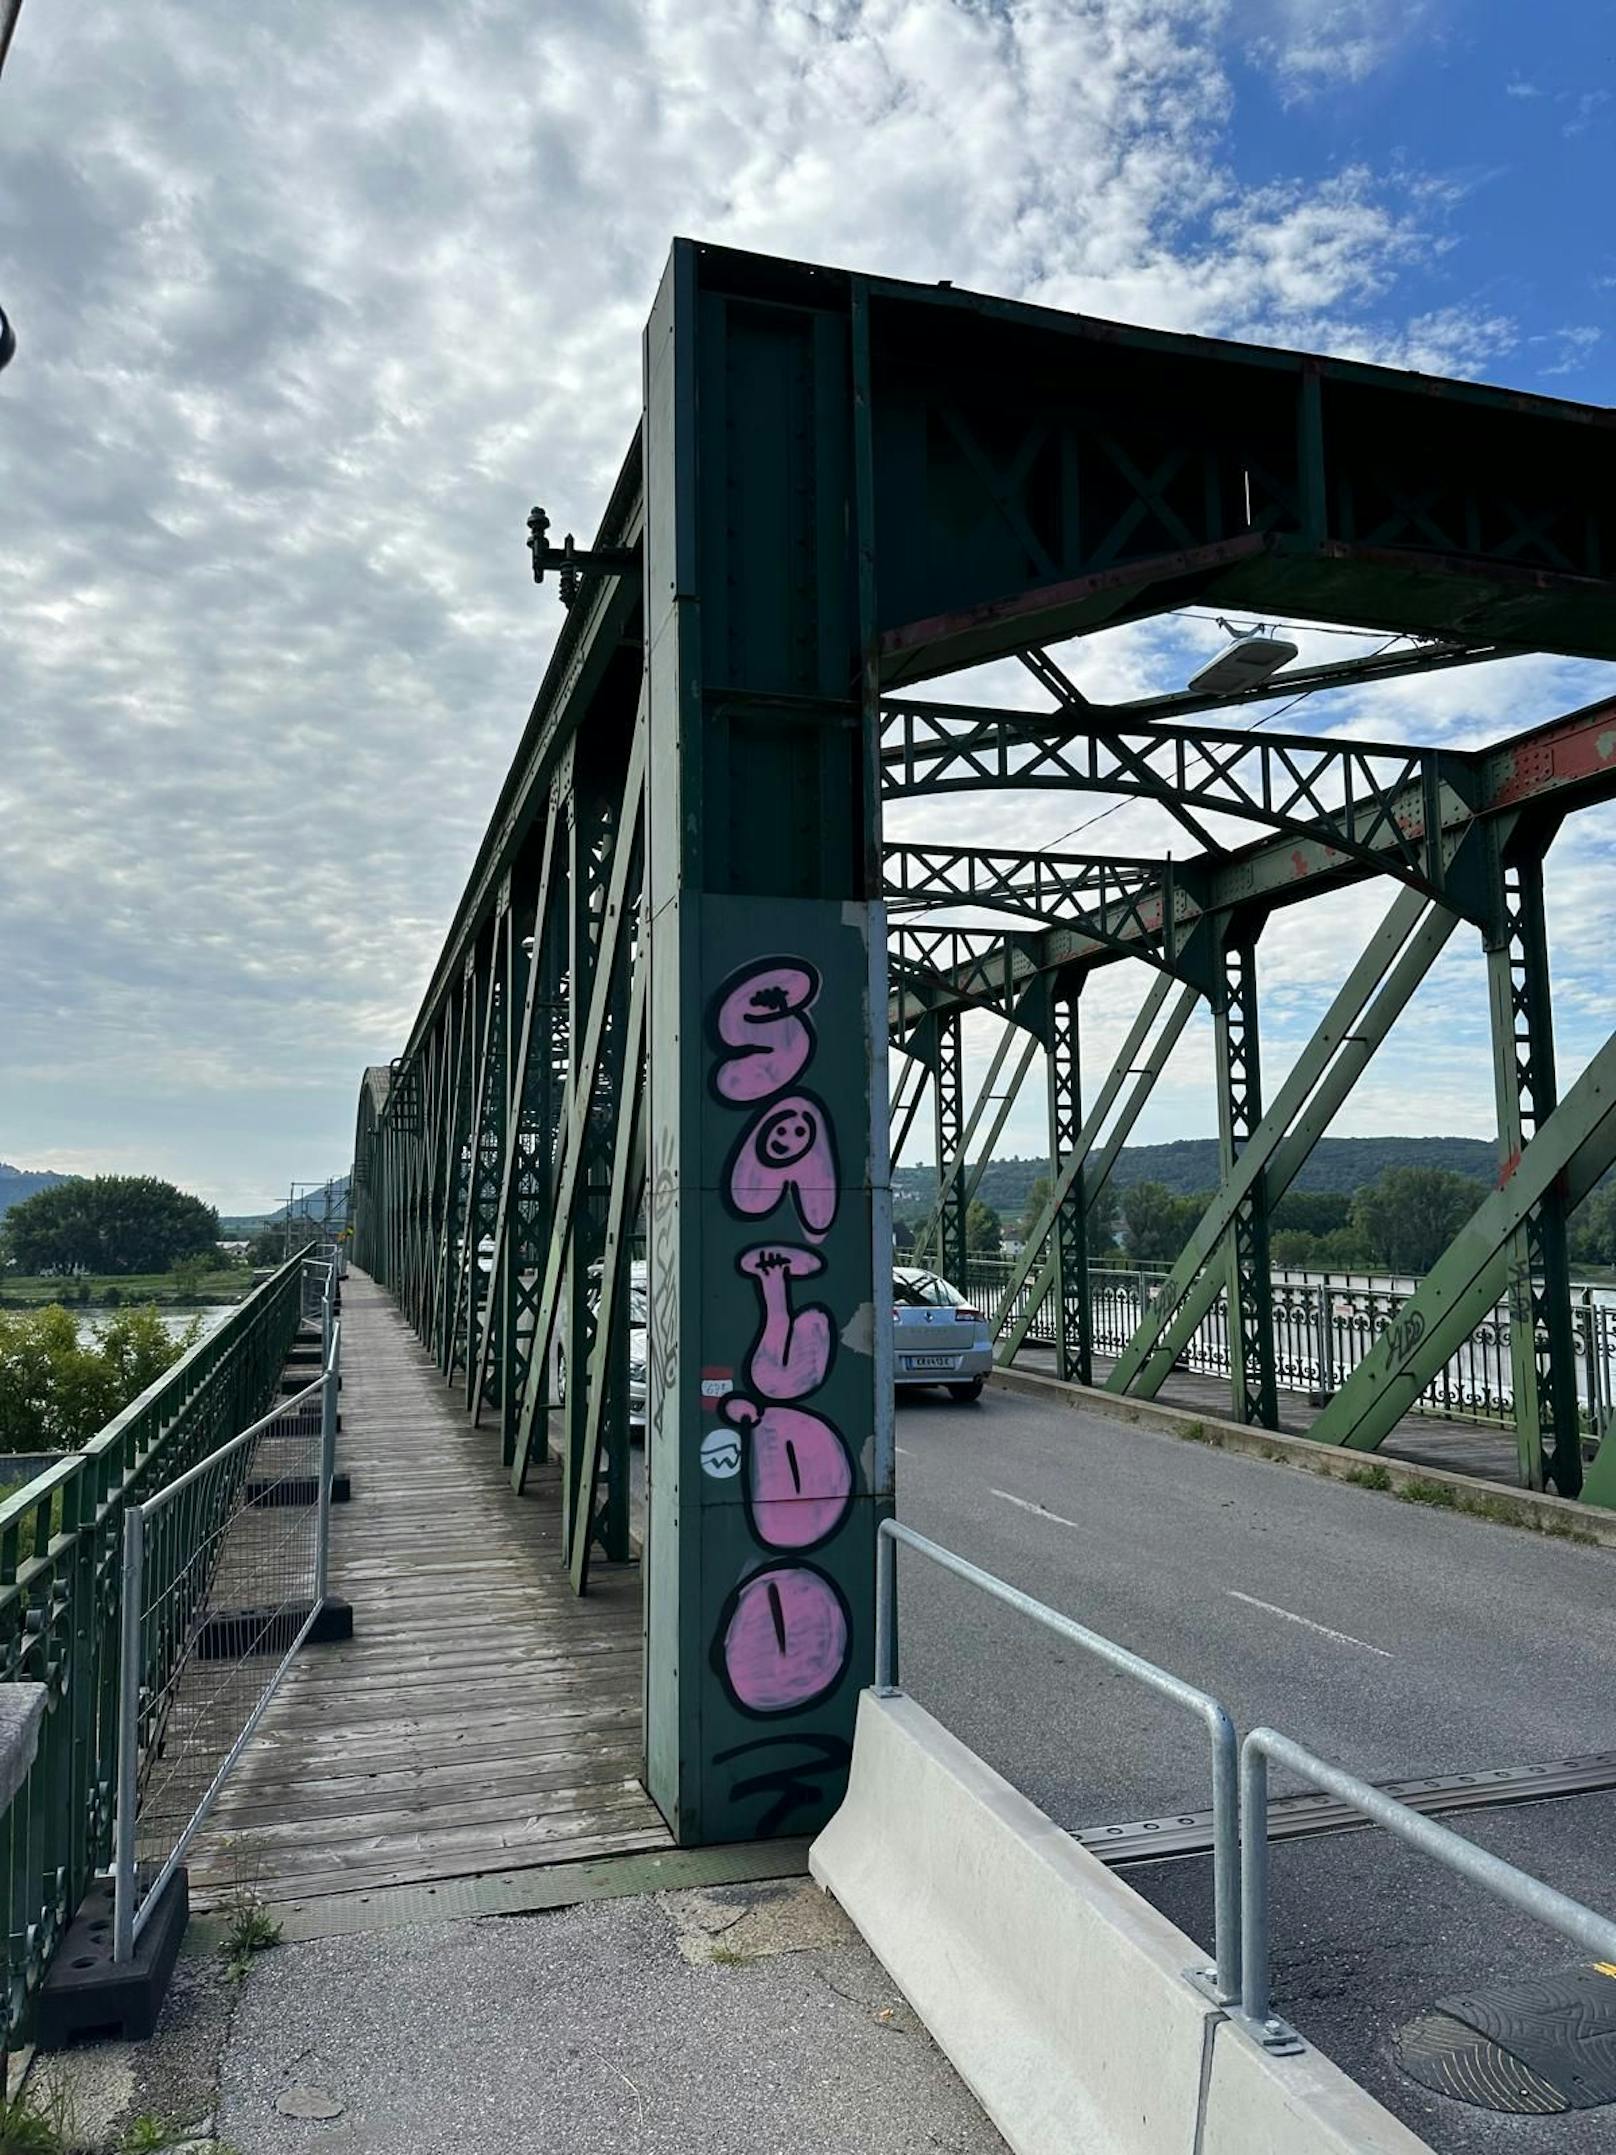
x,y
60,1555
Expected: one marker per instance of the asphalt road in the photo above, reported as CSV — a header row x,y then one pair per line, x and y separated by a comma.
x,y
1392,1638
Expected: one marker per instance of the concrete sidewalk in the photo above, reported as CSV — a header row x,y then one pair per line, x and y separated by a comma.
x,y
731,2020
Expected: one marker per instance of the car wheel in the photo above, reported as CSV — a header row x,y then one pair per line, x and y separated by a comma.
x,y
965,1393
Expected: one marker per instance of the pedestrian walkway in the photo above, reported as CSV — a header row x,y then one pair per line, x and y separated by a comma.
x,y
482,1719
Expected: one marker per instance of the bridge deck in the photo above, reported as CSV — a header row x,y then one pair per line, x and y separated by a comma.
x,y
482,1719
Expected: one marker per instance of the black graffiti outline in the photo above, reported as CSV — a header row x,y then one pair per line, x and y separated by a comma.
x,y
759,1251
784,1561
792,1785
783,1552
760,1113
725,1054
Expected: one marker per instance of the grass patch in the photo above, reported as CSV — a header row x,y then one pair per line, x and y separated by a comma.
x,y
1374,1477
109,1290
249,1929
38,2121
1418,1490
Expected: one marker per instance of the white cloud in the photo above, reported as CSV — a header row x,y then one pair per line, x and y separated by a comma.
x,y
313,305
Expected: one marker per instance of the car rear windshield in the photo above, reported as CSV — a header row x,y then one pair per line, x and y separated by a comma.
x,y
927,1291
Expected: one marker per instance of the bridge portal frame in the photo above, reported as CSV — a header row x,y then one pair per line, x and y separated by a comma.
x,y
842,486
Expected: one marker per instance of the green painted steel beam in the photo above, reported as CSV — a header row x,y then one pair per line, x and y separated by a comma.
x,y
1334,1058
613,929
605,1435
1573,1148
1126,1064
1567,764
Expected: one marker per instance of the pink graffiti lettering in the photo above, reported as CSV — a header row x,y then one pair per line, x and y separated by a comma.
x,y
763,1018
786,1641
788,1148
791,1354
799,1478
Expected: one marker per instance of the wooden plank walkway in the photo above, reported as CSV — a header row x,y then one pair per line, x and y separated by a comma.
x,y
482,1718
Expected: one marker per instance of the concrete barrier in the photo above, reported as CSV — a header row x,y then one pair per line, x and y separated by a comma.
x,y
1061,1997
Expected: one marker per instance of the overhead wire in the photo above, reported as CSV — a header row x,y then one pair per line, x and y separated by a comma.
x,y
1256,725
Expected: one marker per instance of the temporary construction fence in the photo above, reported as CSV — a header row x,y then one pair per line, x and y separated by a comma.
x,y
224,1577
61,1543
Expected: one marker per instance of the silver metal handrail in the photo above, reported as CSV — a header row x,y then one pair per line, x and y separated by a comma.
x,y
1225,1751
131,1907
1594,1932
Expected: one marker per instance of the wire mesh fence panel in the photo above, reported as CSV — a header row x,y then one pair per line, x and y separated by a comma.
x,y
223,1577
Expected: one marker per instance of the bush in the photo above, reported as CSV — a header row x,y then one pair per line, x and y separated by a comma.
x,y
57,1389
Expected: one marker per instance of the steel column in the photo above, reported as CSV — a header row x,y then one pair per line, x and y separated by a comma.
x,y
1542,1340
1239,1074
769,1433
1074,1325
948,1127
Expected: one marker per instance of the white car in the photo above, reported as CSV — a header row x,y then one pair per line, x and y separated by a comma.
x,y
938,1337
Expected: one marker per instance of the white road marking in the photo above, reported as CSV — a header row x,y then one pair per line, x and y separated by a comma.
x,y
903,1451
1342,1638
1039,1511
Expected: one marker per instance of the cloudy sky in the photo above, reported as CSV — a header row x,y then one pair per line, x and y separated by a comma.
x,y
314,301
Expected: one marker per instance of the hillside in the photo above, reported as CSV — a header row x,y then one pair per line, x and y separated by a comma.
x,y
1190,1164
16,1183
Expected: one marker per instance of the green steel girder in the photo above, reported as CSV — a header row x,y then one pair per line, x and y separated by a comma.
x,y
1399,954
1567,764
913,1078
1074,1321
1542,1340
1045,886
1037,475
605,952
1236,1049
1355,795
948,1128
1570,1151
959,1168
599,1513
1096,1167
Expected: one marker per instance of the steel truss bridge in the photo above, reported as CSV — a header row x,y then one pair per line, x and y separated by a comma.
x,y
670,987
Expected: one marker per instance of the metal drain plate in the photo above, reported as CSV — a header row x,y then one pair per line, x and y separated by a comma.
x,y
1533,2048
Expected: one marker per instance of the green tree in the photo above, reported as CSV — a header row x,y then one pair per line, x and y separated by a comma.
x,y
111,1223
1156,1224
1407,1219
58,1388
983,1231
1037,1199
190,1272
1593,1229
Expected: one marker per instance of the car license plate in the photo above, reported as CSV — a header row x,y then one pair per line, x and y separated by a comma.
x,y
931,1361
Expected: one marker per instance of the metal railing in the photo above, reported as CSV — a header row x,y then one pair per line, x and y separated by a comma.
x,y
61,1538
1594,1932
1324,1326
1240,1979
1219,1727
224,1568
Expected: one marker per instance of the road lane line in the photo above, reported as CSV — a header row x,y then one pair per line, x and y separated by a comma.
x,y
903,1451
1342,1638
1039,1511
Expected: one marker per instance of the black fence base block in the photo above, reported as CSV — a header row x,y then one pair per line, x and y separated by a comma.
x,y
298,1489
87,1992
230,1633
